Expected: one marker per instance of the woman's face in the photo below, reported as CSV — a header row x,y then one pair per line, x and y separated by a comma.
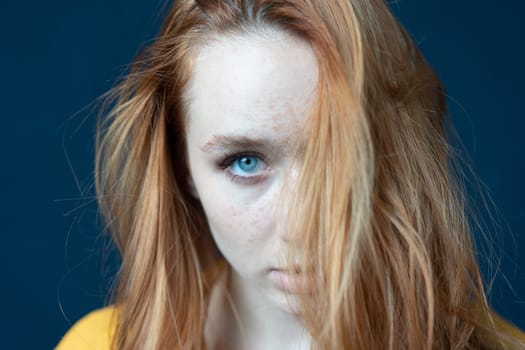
x,y
248,99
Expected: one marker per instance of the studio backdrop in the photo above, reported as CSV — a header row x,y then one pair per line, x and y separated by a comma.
x,y
58,57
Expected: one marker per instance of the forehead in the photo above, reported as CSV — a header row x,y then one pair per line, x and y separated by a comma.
x,y
251,83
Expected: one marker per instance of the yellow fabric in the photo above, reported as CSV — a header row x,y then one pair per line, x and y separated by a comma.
x,y
93,332
508,327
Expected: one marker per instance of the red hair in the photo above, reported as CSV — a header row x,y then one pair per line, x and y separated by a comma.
x,y
380,212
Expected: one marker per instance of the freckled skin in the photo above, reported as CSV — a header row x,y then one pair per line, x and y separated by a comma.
x,y
255,87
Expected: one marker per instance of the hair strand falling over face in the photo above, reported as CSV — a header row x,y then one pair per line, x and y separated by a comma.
x,y
377,209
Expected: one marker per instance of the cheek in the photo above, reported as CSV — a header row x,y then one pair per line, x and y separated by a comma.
x,y
234,219
241,217
237,213
242,233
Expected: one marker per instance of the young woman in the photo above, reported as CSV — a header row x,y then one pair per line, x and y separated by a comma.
x,y
276,175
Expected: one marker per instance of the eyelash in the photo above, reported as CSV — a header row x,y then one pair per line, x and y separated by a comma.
x,y
228,160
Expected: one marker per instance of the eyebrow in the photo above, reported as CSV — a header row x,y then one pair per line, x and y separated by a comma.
x,y
223,142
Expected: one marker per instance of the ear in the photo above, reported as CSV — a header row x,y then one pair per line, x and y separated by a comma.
x,y
191,187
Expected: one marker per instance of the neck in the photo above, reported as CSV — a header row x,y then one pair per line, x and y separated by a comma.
x,y
253,322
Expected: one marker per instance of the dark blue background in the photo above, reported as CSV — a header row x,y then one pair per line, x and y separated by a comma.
x,y
57,57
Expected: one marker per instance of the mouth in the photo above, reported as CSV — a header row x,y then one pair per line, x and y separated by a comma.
x,y
289,280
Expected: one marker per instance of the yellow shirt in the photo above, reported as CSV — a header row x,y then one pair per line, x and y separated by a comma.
x,y
95,331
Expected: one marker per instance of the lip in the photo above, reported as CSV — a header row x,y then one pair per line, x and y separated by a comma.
x,y
288,281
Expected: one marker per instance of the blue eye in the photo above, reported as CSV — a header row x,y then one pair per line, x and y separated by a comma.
x,y
245,168
246,164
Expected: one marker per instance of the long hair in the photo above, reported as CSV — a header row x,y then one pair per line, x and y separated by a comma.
x,y
380,213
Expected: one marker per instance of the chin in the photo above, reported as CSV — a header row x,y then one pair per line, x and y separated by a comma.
x,y
286,302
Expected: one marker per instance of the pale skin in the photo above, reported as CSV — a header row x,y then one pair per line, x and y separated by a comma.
x,y
248,97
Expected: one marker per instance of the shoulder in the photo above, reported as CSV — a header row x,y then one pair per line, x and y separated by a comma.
x,y
93,332
507,329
